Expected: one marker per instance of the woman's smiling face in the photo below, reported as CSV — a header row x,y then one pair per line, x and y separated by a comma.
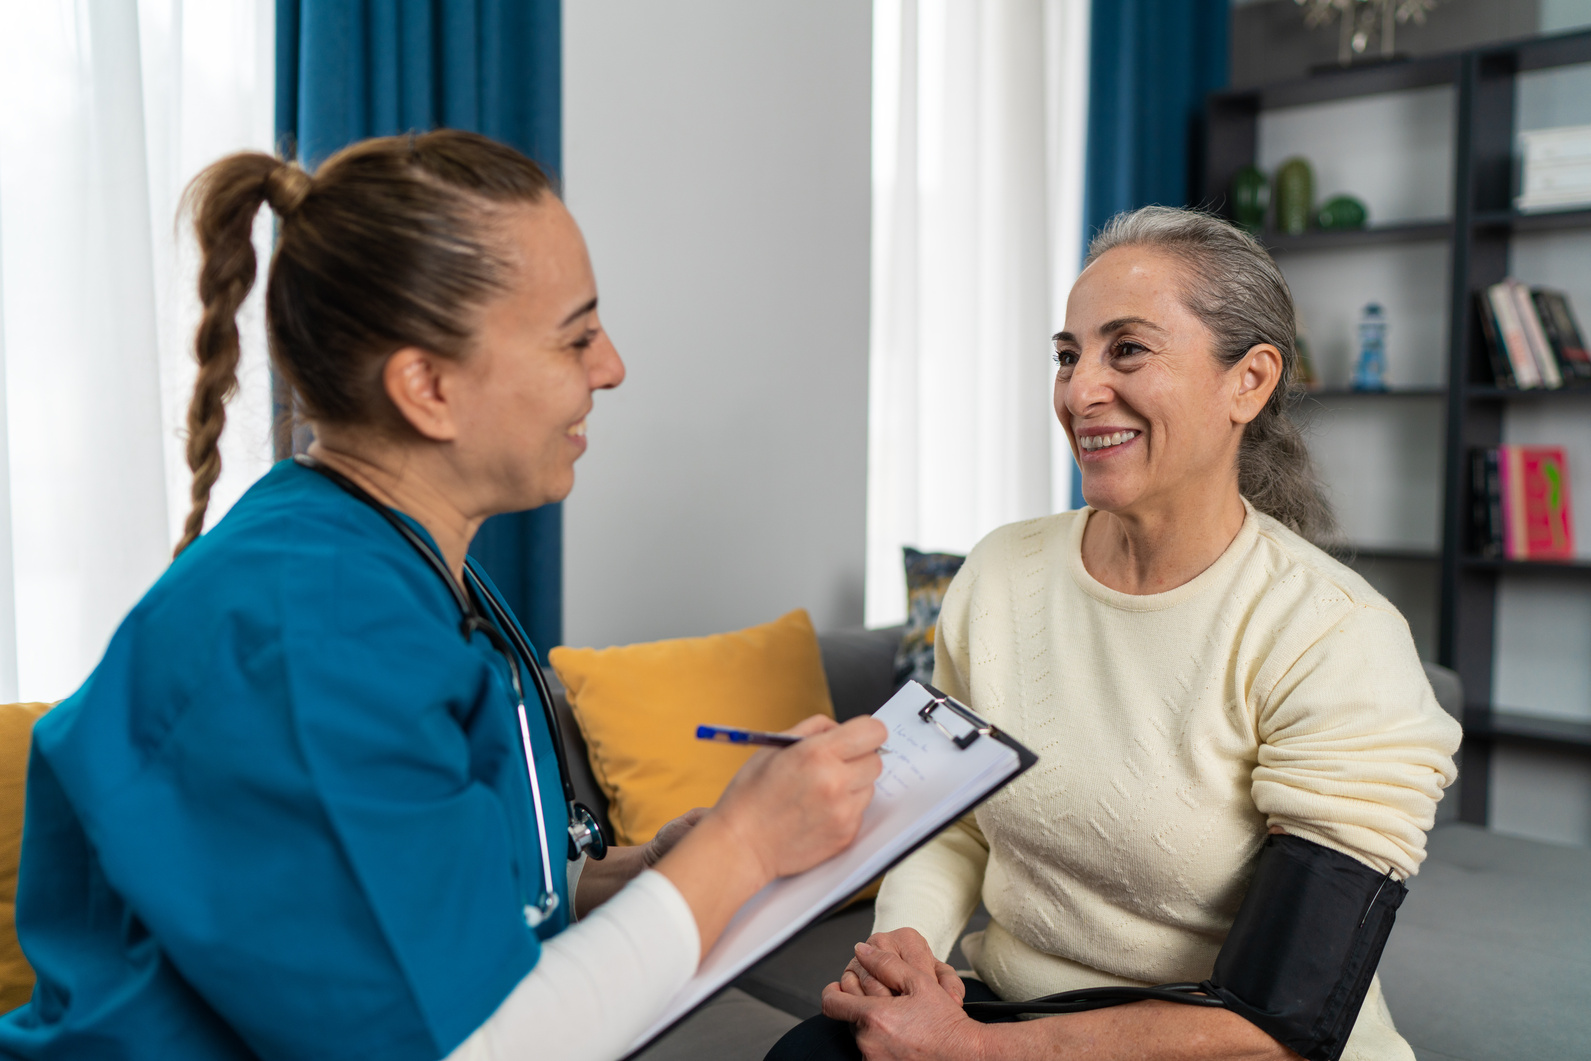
x,y
1150,412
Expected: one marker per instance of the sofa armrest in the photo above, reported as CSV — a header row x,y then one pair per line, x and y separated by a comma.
x,y
860,667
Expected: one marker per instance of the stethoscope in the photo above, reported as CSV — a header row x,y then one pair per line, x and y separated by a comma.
x,y
585,835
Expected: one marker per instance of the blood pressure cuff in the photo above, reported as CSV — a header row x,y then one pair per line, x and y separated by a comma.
x,y
1305,944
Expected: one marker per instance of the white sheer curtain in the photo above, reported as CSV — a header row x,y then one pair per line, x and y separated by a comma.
x,y
107,109
979,125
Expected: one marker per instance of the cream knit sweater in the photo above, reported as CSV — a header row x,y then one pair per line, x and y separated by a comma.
x,y
1276,688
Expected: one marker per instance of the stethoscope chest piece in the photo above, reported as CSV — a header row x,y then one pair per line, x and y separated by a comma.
x,y
585,835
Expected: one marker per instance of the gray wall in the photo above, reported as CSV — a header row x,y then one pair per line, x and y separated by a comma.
x,y
717,155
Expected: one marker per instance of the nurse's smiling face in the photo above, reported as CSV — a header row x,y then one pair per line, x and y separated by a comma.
x,y
522,394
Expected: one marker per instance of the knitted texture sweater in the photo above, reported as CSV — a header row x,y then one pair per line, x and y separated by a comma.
x,y
1277,688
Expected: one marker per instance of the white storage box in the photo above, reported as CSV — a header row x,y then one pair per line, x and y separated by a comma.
x,y
1555,171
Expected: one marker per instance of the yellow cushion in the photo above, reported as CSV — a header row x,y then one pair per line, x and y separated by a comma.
x,y
638,707
16,736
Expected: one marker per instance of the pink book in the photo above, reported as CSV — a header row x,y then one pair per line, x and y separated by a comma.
x,y
1544,487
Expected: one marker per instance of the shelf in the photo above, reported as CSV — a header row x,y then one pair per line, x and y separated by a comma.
x,y
1535,394
1402,75
1389,555
1538,221
1542,53
1531,567
1363,79
1395,392
1483,723
1375,235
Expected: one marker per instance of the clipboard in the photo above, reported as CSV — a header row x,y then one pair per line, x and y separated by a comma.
x,y
944,760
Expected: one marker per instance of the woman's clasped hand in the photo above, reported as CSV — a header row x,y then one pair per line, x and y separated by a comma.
x,y
903,1001
905,1005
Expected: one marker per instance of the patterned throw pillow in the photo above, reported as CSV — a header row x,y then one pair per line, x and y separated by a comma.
x,y
928,575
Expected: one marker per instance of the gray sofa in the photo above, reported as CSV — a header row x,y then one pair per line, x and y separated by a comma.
x,y
1490,960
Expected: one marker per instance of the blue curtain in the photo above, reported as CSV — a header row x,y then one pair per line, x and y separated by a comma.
x,y
1151,65
351,69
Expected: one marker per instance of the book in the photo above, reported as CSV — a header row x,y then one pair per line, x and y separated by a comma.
x,y
1535,335
1555,168
943,761
1486,505
1496,353
1563,333
1511,332
1533,487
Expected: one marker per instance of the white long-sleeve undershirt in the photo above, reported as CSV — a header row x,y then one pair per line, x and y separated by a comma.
x,y
599,983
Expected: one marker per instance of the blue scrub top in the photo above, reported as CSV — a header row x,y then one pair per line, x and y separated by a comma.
x,y
288,815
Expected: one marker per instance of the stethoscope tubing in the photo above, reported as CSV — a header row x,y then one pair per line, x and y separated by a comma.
x,y
507,640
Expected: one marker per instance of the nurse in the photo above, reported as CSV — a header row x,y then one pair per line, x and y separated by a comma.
x,y
291,814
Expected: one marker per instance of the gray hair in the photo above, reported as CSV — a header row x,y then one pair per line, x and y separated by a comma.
x,y
1237,291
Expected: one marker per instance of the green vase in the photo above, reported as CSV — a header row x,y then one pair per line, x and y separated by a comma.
x,y
1295,196
1250,197
1342,212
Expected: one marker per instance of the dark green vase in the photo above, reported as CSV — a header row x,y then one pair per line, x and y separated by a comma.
x,y
1295,196
1342,212
1251,197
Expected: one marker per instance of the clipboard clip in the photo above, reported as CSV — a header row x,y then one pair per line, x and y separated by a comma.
x,y
939,699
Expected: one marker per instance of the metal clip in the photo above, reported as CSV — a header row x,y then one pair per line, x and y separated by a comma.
x,y
938,699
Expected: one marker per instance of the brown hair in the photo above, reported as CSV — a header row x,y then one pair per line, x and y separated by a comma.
x,y
388,245
1239,293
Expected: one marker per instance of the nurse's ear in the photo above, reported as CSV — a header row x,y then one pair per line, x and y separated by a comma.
x,y
415,382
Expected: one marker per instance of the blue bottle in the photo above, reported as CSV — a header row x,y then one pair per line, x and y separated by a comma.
x,y
1371,372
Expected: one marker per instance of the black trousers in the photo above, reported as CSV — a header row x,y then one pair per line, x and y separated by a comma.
x,y
825,1039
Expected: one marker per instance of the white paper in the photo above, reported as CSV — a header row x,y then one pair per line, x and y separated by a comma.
x,y
927,781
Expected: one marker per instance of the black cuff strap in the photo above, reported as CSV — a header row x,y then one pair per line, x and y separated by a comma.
x,y
1298,959
1306,941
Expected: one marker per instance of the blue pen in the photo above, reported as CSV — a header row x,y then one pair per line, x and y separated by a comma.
x,y
735,735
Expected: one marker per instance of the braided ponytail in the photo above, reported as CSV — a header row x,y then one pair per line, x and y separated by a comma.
x,y
394,242
224,199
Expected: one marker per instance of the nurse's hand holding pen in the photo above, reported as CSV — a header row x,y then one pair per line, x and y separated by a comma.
x,y
785,811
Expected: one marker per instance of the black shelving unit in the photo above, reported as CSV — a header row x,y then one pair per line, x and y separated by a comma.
x,y
1482,392
1526,567
1380,554
1347,394
1478,237
1411,232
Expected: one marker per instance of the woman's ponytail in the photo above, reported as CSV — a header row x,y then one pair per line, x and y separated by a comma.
x,y
224,199
394,242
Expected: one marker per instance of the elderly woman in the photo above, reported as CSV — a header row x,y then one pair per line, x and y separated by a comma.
x,y
1194,673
